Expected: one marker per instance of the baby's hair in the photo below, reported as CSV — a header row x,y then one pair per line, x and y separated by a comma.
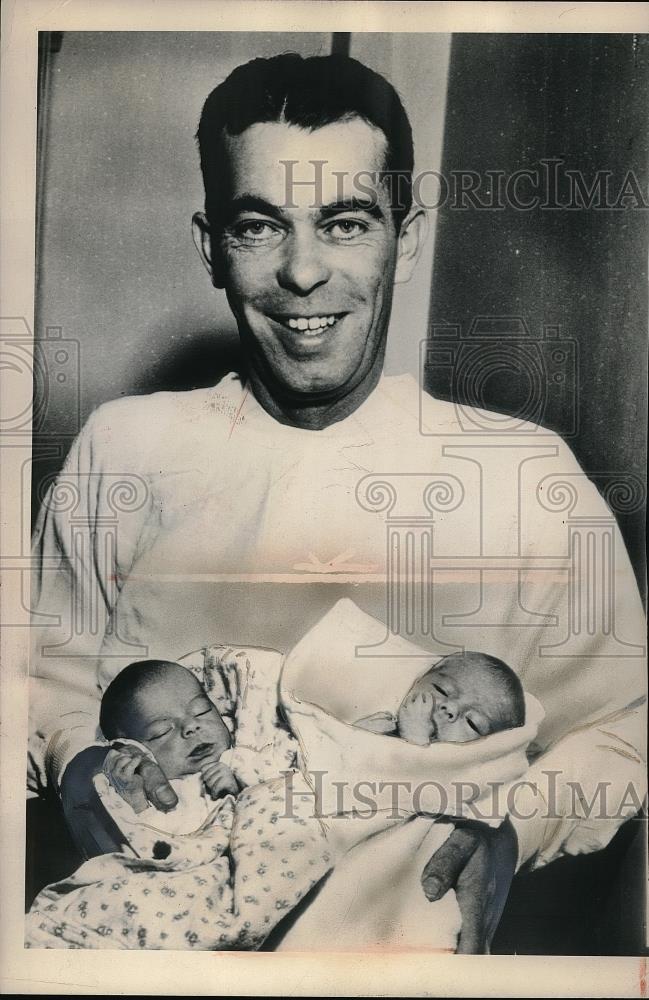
x,y
123,688
508,680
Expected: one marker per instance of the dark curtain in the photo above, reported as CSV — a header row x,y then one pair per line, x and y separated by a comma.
x,y
573,109
522,283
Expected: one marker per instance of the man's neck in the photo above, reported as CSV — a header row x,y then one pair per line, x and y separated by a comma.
x,y
313,416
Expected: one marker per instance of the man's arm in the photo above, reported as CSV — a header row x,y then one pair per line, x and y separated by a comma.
x,y
574,800
587,670
135,777
479,863
67,625
84,538
583,789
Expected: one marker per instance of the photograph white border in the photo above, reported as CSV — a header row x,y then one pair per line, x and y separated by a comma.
x,y
215,973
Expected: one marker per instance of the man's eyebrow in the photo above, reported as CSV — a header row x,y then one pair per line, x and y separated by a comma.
x,y
352,204
252,203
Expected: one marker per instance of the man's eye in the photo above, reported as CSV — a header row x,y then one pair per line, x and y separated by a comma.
x,y
255,231
346,229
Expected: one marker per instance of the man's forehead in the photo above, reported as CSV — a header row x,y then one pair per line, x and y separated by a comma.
x,y
290,166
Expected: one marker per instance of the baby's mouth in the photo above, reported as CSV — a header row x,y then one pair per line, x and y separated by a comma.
x,y
199,751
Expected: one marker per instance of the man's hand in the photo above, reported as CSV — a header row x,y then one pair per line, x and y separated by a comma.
x,y
479,863
138,779
219,779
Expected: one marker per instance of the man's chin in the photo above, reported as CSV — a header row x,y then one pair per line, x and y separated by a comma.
x,y
303,387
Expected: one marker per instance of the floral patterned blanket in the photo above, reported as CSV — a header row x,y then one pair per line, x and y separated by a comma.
x,y
249,867
226,885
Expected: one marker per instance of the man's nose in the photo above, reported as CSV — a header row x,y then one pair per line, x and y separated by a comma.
x,y
303,266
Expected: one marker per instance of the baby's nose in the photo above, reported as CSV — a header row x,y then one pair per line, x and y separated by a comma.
x,y
448,709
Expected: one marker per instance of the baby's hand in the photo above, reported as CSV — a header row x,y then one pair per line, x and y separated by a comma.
x,y
120,768
415,722
380,722
138,779
219,779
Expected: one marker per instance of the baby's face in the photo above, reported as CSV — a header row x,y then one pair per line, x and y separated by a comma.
x,y
175,719
463,702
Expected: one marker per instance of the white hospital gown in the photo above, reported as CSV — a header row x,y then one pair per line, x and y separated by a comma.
x,y
185,519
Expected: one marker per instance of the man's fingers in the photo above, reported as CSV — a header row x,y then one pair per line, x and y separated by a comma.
x,y
156,787
443,869
163,797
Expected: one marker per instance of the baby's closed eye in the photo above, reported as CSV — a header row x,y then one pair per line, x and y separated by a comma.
x,y
159,735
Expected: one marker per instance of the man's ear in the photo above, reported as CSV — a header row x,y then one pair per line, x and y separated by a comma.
x,y
202,234
412,236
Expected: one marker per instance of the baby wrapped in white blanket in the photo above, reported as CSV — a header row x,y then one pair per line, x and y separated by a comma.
x,y
378,794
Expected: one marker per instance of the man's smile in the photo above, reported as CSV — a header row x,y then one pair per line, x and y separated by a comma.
x,y
307,335
309,324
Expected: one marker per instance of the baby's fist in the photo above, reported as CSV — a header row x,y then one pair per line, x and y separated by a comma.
x,y
219,779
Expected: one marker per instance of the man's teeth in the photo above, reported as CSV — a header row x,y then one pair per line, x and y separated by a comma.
x,y
312,323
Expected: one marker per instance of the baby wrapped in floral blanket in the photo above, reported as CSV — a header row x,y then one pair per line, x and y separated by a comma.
x,y
220,868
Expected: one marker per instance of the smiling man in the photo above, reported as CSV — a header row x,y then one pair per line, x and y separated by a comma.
x,y
308,225
301,229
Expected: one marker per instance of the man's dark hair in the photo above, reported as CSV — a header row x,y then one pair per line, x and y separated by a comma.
x,y
123,688
509,681
308,92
